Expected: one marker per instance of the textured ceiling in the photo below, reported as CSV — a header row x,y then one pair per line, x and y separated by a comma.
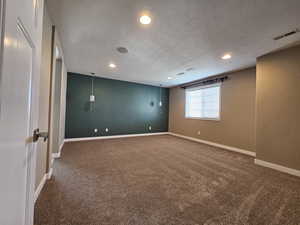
x,y
183,34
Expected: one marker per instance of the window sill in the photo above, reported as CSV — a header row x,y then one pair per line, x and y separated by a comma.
x,y
205,119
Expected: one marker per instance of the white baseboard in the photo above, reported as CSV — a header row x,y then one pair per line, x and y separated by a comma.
x,y
234,149
278,167
112,137
46,177
40,187
61,147
58,154
49,174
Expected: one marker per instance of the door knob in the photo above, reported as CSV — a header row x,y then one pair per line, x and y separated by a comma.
x,y
37,134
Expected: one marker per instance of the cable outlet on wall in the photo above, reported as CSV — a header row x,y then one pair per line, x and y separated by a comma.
x,y
199,132
95,130
106,130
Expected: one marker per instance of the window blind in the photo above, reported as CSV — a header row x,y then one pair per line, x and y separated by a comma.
x,y
203,102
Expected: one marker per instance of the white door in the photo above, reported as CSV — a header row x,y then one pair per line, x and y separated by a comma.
x,y
18,110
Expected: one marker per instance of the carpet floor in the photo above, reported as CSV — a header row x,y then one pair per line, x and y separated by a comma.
x,y
164,180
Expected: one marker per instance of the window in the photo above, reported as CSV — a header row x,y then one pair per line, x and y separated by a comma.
x,y
203,102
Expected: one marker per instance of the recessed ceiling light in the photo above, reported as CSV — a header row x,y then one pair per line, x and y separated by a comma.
x,y
112,65
169,78
145,19
226,56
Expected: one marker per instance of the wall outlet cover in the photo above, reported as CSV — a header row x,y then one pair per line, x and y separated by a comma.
x,y
92,98
106,129
96,130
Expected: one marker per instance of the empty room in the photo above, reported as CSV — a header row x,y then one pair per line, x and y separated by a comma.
x,y
161,112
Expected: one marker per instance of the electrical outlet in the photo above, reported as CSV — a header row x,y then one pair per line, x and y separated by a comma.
x,y
95,130
199,132
150,128
106,130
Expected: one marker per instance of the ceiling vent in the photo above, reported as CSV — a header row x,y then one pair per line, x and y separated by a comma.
x,y
286,34
122,50
190,69
180,74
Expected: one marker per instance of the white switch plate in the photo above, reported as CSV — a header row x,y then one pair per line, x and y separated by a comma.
x,y
96,130
106,129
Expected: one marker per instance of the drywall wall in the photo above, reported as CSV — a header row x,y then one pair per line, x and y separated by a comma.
x,y
278,108
237,125
56,105
63,106
122,107
44,152
41,162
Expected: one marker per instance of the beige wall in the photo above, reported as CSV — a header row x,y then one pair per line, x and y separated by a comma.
x,y
278,108
57,78
57,131
44,104
44,97
63,105
237,125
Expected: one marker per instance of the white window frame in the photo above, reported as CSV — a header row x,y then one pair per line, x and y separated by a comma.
x,y
204,87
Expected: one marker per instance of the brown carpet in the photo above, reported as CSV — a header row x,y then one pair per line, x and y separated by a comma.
x,y
164,180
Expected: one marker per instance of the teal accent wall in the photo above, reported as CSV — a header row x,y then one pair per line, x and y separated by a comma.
x,y
122,107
